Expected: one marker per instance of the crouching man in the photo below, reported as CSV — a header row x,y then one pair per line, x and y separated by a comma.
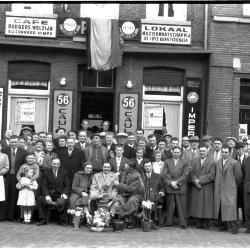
x,y
55,190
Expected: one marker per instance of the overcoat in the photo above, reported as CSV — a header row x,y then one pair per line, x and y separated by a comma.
x,y
227,179
246,176
201,203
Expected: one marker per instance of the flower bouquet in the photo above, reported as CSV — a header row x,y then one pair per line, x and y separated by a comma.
x,y
78,215
146,220
100,220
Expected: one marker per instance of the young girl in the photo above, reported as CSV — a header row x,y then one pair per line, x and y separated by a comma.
x,y
26,197
158,163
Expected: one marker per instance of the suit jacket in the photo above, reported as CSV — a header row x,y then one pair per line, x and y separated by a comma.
x,y
188,155
149,153
114,166
89,151
246,177
20,158
129,152
139,167
78,145
166,154
153,188
112,147
100,185
52,185
72,163
178,172
4,163
211,153
47,160
5,146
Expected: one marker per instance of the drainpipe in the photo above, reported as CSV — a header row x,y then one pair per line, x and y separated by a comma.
x,y
205,27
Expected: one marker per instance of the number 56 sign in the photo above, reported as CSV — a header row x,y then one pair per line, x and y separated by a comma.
x,y
62,116
128,112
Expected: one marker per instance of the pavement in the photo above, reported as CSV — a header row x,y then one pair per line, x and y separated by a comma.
x,y
53,235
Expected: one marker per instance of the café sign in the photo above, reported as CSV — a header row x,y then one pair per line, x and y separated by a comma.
x,y
62,117
31,27
165,34
128,114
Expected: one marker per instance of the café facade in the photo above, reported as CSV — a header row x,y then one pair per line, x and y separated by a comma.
x,y
163,80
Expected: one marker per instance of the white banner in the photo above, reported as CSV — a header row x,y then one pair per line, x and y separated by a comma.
x,y
1,111
28,26
25,111
165,34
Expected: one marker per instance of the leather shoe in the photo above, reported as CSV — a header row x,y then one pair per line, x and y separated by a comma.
x,y
247,231
131,226
41,222
234,231
62,223
184,227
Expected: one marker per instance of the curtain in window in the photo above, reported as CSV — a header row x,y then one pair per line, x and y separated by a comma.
x,y
171,116
41,114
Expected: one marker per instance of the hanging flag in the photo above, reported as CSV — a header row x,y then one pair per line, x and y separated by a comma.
x,y
104,50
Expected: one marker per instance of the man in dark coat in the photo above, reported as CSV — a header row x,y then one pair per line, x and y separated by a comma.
x,y
71,158
131,193
16,157
175,174
82,141
139,160
6,140
149,152
55,192
246,177
202,191
130,146
154,188
228,177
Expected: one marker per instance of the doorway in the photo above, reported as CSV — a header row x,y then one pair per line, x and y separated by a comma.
x,y
97,107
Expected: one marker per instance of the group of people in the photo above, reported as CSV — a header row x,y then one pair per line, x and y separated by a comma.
x,y
205,181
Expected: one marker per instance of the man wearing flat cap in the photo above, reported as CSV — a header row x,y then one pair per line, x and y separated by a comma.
x,y
167,138
192,152
207,141
185,144
96,153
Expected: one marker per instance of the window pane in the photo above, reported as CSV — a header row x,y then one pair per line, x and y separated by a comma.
x,y
246,9
245,92
105,79
89,78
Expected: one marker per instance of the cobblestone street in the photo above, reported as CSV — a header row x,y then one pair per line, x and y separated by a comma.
x,y
53,235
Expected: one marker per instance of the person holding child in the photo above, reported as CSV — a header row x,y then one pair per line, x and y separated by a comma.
x,y
26,197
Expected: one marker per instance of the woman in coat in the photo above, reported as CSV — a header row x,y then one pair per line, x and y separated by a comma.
x,y
81,187
4,168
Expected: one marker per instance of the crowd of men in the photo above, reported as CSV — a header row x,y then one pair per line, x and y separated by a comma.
x,y
206,181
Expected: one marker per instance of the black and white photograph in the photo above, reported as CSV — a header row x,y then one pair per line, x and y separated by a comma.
x,y
124,124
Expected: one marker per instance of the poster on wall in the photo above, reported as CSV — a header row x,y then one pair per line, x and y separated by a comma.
x,y
1,111
25,111
153,116
192,110
128,115
243,130
62,116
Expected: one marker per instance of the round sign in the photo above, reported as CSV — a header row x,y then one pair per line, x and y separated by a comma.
x,y
69,24
192,97
128,28
128,102
63,99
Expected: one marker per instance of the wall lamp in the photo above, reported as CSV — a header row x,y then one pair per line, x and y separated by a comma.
x,y
63,81
129,84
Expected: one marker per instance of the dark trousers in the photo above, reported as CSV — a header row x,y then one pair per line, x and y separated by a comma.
x,y
43,208
202,222
12,210
180,202
247,210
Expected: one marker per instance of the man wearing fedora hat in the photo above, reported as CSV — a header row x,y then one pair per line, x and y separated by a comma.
x,y
55,190
192,152
96,153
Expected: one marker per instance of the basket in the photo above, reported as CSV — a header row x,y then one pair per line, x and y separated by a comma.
x,y
97,229
146,225
118,225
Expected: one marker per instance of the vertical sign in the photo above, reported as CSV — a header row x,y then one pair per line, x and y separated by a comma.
x,y
62,117
128,116
1,111
192,111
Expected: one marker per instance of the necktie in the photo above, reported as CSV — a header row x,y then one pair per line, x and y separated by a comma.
x,y
70,151
216,156
13,152
193,153
55,173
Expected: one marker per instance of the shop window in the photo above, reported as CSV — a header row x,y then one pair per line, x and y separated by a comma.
x,y
244,117
100,10
166,11
32,8
96,79
246,9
